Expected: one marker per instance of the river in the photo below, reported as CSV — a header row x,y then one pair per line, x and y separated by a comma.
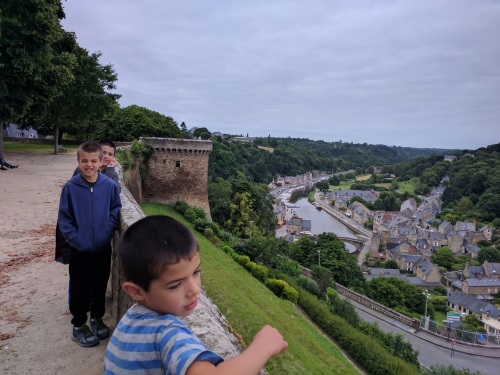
x,y
320,221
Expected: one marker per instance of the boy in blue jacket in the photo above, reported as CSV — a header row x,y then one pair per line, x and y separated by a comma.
x,y
88,216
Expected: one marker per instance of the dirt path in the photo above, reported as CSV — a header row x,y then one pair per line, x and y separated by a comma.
x,y
34,318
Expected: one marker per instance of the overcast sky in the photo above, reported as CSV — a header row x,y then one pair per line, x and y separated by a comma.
x,y
412,73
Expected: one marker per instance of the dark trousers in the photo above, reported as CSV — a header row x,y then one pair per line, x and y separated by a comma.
x,y
89,274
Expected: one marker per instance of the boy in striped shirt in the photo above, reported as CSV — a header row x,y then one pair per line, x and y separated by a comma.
x,y
161,264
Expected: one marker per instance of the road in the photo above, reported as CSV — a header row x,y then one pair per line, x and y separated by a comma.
x,y
431,354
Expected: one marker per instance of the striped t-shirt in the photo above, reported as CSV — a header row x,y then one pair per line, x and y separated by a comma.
x,y
145,342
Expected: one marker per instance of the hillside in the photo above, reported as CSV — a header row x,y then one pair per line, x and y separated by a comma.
x,y
248,305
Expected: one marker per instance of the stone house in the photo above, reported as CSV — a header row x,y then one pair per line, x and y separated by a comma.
x,y
492,269
467,304
487,233
472,250
408,261
358,212
445,227
437,240
423,245
294,225
427,271
408,207
481,286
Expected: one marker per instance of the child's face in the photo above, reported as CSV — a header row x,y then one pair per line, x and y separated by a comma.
x,y
177,289
108,154
89,164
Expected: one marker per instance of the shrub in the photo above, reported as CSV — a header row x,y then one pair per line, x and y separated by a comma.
x,y
290,294
200,225
288,266
257,270
281,289
309,285
228,250
241,259
190,215
181,207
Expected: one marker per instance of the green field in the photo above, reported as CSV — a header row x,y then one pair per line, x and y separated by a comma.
x,y
248,305
38,148
408,186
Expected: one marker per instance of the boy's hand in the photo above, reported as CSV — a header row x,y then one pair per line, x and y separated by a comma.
x,y
270,340
113,163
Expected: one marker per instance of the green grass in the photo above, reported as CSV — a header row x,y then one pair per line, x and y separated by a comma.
x,y
407,186
344,185
248,305
36,148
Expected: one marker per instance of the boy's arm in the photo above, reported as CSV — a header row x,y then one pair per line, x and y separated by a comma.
x,y
111,173
65,217
114,208
266,344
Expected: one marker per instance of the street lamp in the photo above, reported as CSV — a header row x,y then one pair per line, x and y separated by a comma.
x,y
426,321
251,227
319,257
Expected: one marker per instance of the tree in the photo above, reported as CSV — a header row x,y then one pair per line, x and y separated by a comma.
x,y
322,185
133,122
32,69
465,204
203,133
444,257
391,263
242,216
83,103
490,254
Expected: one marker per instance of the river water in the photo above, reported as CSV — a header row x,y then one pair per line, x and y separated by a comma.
x,y
320,220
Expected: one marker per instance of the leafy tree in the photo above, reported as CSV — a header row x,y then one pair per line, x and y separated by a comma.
x,y
32,69
203,133
133,122
490,254
322,185
391,263
465,204
443,257
242,216
83,103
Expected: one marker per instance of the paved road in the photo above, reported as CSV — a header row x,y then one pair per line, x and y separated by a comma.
x,y
430,353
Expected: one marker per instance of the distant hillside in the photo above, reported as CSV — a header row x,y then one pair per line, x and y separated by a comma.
x,y
294,156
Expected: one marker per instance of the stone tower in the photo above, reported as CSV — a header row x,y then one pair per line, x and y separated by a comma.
x,y
178,170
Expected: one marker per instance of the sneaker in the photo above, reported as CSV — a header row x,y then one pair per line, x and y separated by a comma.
x,y
99,329
3,168
84,336
14,166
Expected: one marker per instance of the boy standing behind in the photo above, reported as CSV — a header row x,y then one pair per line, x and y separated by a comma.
x,y
108,162
88,216
160,262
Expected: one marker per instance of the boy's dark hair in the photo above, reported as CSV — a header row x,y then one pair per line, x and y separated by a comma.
x,y
89,147
152,243
107,142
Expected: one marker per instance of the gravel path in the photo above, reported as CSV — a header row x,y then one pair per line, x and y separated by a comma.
x,y
35,323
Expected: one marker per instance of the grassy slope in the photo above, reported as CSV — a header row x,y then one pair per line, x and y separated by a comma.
x,y
248,305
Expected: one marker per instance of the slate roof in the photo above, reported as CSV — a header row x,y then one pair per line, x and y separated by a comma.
x,y
493,268
485,281
384,271
411,258
425,265
306,225
472,303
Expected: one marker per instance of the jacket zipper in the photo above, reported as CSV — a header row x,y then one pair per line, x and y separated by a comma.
x,y
92,213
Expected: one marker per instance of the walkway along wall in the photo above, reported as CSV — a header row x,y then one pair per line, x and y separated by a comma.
x,y
178,170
